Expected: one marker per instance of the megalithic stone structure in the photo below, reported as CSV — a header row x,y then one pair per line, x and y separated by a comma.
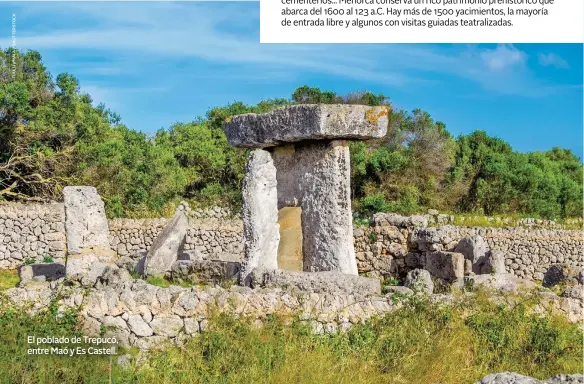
x,y
302,160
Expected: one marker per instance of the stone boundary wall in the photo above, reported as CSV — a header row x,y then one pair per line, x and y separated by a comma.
x,y
146,316
391,246
214,238
395,247
31,232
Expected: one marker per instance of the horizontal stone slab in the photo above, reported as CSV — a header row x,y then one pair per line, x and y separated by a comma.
x,y
307,122
317,282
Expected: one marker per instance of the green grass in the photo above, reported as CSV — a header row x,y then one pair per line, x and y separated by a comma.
x,y
8,279
165,283
420,343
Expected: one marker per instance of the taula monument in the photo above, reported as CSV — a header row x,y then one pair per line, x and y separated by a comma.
x,y
302,160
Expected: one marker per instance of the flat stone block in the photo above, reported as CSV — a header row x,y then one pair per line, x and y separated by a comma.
x,y
307,122
317,282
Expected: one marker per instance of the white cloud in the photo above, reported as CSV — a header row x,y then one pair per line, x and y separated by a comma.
x,y
503,58
552,60
158,35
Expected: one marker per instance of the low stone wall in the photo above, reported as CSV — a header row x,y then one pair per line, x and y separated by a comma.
x,y
212,237
142,315
31,232
146,316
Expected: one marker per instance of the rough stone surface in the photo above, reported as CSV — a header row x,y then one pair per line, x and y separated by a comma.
x,y
146,316
318,282
448,266
205,271
474,249
494,262
316,177
85,223
50,272
516,378
420,281
307,122
508,378
503,282
31,233
260,214
166,246
561,273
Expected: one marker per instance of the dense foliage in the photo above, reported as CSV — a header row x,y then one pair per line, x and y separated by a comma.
x,y
418,343
51,136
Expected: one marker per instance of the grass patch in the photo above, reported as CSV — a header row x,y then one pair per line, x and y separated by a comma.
x,y
420,343
8,279
165,283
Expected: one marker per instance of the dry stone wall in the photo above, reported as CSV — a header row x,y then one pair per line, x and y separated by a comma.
x,y
394,245
31,232
391,246
212,233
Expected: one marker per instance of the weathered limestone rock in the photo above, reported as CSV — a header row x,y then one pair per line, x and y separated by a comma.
x,y
516,378
316,177
85,221
561,273
260,214
205,271
51,272
307,122
503,282
448,266
317,282
508,378
494,262
166,246
420,281
473,248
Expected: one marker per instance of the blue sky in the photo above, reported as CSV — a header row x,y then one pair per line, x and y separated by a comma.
x,y
156,63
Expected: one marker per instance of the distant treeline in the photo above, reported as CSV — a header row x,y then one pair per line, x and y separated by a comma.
x,y
51,136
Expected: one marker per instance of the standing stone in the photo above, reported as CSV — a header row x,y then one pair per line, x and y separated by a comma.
x,y
85,221
474,249
260,214
448,266
87,234
166,247
317,176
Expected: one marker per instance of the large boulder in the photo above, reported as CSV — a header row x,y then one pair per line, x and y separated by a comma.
x,y
85,221
448,266
420,281
317,282
307,122
561,274
166,247
474,249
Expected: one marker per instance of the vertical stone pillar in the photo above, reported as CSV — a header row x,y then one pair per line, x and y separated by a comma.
x,y
260,214
87,231
327,223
